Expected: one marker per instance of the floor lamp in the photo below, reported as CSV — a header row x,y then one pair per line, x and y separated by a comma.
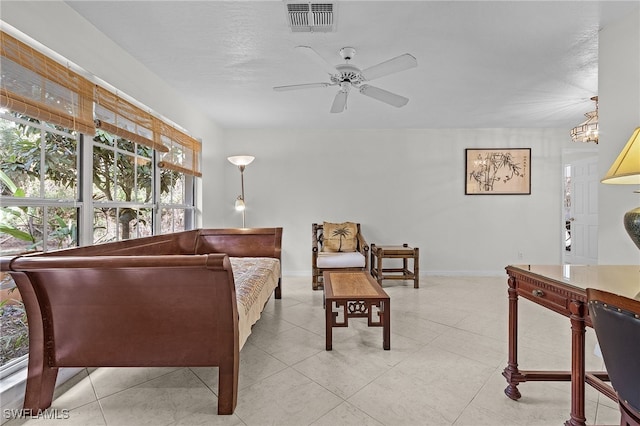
x,y
241,161
626,170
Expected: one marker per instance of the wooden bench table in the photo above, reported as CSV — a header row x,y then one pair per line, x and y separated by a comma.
x,y
357,294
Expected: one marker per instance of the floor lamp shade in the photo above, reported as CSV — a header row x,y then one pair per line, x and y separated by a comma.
x,y
241,160
626,171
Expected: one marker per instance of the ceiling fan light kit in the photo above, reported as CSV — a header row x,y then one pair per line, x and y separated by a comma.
x,y
347,76
347,53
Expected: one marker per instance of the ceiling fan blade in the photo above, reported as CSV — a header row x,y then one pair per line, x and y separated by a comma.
x,y
340,101
383,95
300,86
397,64
315,56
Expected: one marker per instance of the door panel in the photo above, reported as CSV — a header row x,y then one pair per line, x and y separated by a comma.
x,y
584,212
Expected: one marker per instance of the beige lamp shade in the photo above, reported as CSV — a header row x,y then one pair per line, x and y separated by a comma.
x,y
626,168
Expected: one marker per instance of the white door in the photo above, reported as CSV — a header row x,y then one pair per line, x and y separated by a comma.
x,y
584,212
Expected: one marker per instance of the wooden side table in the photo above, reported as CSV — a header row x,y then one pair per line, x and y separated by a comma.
x,y
403,252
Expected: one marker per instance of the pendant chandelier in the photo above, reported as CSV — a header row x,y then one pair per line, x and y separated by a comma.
x,y
587,131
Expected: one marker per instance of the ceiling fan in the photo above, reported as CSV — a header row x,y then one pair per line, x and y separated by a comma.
x,y
348,76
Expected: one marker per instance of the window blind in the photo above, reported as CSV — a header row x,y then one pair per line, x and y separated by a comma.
x,y
121,118
36,85
183,151
33,84
180,152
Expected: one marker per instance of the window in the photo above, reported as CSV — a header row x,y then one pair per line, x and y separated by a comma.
x,y
40,206
39,170
79,164
40,182
122,188
176,201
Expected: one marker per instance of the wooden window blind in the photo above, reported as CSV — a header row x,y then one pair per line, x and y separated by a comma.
x,y
36,85
183,151
33,84
121,118
180,152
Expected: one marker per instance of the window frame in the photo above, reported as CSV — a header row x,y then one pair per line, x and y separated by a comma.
x,y
85,205
81,86
42,201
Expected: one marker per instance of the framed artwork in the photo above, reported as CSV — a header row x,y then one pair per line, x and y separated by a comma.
x,y
497,171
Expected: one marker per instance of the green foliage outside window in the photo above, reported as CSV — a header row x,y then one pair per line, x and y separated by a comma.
x,y
22,225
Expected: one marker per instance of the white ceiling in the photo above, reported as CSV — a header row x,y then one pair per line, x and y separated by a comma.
x,y
481,64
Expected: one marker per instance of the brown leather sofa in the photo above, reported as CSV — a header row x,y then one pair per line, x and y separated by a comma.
x,y
166,300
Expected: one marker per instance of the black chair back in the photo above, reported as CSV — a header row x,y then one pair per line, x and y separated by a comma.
x,y
616,320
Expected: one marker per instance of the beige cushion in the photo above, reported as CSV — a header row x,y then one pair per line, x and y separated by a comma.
x,y
339,237
352,259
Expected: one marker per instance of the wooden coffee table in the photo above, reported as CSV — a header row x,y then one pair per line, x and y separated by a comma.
x,y
356,293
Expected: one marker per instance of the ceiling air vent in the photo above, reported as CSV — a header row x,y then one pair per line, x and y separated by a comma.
x,y
311,17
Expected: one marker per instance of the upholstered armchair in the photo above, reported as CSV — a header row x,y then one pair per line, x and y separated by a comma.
x,y
337,246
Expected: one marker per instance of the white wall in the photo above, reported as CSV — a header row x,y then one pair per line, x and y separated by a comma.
x,y
619,112
402,186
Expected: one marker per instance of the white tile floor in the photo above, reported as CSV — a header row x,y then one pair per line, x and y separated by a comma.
x,y
448,350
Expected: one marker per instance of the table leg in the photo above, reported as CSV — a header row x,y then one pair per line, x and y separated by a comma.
x,y
405,262
328,311
416,268
511,372
386,326
372,265
577,364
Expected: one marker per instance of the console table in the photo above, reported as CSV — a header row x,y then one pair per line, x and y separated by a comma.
x,y
562,289
403,252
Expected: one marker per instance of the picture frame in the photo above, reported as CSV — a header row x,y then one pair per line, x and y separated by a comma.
x,y
497,171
